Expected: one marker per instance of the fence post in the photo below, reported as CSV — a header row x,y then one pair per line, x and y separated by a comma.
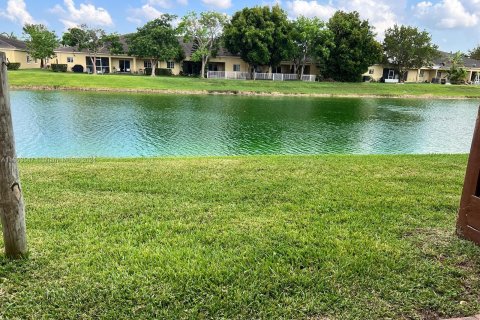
x,y
12,210
468,221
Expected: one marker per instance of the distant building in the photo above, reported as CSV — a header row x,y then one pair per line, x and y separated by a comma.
x,y
434,74
16,51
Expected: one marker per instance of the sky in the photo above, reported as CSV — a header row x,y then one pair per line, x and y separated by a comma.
x,y
454,24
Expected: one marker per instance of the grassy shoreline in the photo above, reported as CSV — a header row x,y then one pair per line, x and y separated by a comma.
x,y
45,80
337,237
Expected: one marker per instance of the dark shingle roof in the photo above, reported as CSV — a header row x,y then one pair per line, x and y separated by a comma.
x,y
8,43
445,60
188,48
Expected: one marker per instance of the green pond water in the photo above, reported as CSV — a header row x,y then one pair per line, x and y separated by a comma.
x,y
75,124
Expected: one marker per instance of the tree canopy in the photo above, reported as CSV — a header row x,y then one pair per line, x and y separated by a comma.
x,y
205,31
312,40
40,41
157,40
94,41
355,47
408,48
260,35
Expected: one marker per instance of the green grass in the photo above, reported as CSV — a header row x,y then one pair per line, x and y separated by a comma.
x,y
124,82
293,237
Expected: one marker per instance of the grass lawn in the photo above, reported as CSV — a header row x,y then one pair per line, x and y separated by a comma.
x,y
294,237
42,78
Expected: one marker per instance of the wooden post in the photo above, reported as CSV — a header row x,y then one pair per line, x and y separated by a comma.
x,y
468,222
12,210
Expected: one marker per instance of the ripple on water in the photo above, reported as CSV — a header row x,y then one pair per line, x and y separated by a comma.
x,y
76,124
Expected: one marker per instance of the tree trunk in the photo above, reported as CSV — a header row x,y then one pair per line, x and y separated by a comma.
x,y
12,210
204,65
154,67
302,70
303,66
202,73
42,65
94,64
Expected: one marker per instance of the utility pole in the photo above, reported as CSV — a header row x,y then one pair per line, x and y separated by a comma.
x,y
12,209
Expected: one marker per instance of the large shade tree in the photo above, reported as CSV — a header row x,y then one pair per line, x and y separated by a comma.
x,y
94,41
355,47
312,40
40,42
260,35
205,30
407,48
157,41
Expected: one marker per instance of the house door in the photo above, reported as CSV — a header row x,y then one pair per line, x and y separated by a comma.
x,y
124,65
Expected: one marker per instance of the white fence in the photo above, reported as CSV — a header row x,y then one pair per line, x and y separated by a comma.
x,y
263,76
309,77
228,75
258,76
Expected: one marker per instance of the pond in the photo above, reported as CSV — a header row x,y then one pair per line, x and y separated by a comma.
x,y
81,124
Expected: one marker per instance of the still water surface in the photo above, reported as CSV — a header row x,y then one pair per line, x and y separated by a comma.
x,y
77,124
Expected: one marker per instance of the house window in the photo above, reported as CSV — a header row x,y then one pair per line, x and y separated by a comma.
x,y
170,65
147,64
371,71
29,59
422,73
236,67
69,59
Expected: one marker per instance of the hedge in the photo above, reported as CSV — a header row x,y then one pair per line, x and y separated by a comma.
x,y
59,67
13,65
159,72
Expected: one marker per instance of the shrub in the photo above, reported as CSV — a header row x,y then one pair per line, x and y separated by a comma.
x,y
13,65
457,75
158,72
59,67
78,68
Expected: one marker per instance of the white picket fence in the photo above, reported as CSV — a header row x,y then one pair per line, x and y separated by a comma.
x,y
228,75
233,75
263,76
309,77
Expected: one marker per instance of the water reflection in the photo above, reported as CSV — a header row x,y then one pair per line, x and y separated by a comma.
x,y
71,124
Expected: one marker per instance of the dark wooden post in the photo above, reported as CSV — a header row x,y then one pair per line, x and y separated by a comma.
x,y
468,223
12,210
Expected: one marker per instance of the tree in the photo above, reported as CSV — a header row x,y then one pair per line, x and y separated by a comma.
x,y
10,35
474,53
408,48
40,41
260,35
457,74
355,47
94,41
205,31
157,41
312,40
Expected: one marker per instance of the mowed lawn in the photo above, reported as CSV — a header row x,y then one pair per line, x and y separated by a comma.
x,y
36,78
293,237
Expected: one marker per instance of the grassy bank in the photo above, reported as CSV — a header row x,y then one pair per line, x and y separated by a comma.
x,y
46,79
320,237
